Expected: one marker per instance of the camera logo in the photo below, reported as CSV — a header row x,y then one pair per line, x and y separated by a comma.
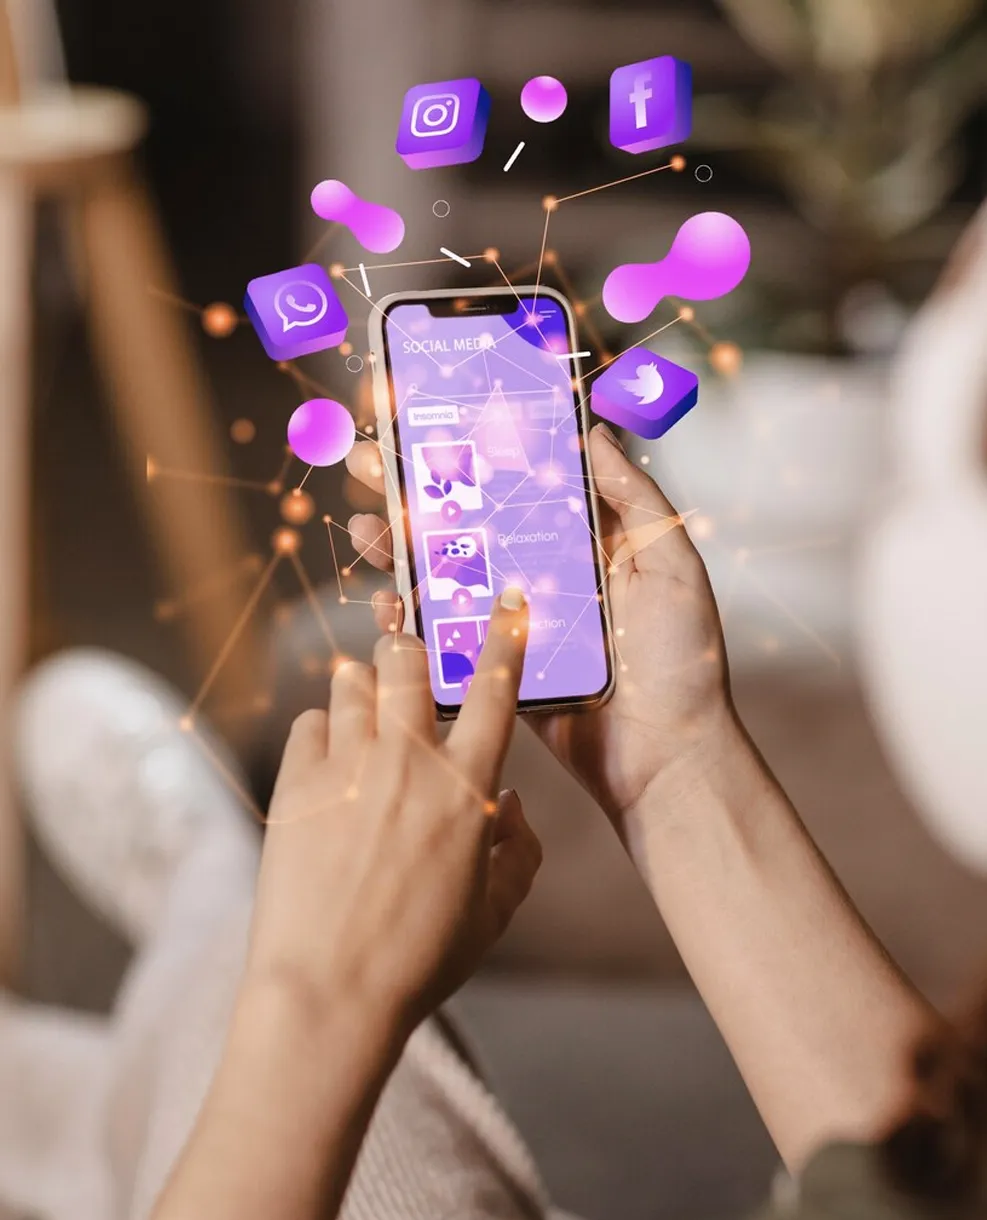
x,y
435,114
443,123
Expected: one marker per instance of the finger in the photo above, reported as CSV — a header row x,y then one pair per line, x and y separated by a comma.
x,y
482,733
652,533
514,863
307,744
352,710
388,610
371,538
364,463
405,706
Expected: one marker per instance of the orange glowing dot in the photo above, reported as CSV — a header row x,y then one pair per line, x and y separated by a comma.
x,y
491,254
297,506
338,661
726,358
219,320
579,309
152,468
186,722
489,807
345,349
343,599
327,519
337,270
283,366
275,487
551,257
345,571
286,541
678,164
687,313
243,431
550,203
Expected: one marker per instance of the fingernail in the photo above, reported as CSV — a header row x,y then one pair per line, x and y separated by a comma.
x,y
512,598
610,435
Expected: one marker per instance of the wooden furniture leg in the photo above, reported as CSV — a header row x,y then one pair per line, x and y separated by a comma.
x,y
16,233
16,238
163,409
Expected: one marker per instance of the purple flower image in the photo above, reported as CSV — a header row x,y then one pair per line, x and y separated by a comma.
x,y
445,473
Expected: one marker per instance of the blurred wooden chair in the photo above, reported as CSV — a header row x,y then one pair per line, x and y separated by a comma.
x,y
76,144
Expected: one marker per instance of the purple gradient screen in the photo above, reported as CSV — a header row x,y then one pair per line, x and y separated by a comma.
x,y
489,452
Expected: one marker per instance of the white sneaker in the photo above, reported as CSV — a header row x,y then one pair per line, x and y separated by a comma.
x,y
116,791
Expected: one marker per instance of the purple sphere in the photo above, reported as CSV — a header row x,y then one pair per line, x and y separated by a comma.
x,y
321,432
544,99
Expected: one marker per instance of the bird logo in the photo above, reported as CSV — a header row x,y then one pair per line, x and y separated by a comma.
x,y
648,386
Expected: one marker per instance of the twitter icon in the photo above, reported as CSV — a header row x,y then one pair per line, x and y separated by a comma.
x,y
644,393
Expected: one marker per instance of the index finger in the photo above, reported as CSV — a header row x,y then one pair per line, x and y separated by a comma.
x,y
482,733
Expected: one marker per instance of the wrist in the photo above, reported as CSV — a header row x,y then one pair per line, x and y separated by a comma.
x,y
717,771
280,1001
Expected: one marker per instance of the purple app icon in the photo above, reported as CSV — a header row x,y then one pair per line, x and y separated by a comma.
x,y
650,104
644,393
443,123
296,311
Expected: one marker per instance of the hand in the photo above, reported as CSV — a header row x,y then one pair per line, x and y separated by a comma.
x,y
672,693
388,869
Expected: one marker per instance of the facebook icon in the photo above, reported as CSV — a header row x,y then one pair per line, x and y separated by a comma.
x,y
650,104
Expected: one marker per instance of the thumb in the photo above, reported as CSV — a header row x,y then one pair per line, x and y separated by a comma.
x,y
649,524
515,858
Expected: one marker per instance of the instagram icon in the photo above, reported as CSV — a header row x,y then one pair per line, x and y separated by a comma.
x,y
443,123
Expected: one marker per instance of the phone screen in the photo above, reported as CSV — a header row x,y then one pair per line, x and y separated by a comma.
x,y
489,450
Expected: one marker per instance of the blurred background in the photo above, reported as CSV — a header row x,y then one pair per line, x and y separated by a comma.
x,y
848,137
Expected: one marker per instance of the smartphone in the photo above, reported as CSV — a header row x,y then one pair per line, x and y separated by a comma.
x,y
482,434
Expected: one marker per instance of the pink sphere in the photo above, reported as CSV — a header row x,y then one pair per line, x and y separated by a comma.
x,y
321,432
544,99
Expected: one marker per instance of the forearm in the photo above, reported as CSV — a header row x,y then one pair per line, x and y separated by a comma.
x,y
284,1120
817,1017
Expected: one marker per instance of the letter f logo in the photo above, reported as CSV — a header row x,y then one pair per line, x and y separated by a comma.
x,y
639,97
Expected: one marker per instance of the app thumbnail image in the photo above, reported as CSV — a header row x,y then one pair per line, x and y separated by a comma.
x,y
457,560
445,474
458,642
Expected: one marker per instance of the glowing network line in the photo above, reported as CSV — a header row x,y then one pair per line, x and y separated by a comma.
x,y
220,320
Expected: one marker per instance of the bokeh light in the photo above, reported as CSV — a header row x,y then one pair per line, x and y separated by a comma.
x,y
219,320
297,506
243,431
726,359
